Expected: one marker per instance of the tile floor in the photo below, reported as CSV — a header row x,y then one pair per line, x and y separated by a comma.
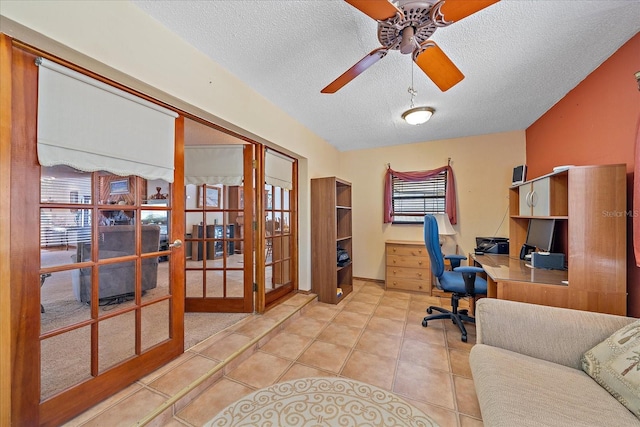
x,y
373,335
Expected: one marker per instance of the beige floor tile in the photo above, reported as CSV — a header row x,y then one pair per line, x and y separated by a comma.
x,y
350,318
424,354
302,371
340,334
324,355
460,363
225,347
389,312
359,307
380,344
104,405
373,335
371,369
366,298
288,346
257,327
260,370
431,335
320,311
373,288
280,312
213,400
129,410
466,398
424,384
183,375
306,326
466,421
395,302
386,326
399,295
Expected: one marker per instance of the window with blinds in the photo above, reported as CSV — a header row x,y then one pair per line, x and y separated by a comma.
x,y
411,201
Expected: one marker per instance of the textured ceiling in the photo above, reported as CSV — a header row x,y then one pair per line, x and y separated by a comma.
x,y
519,57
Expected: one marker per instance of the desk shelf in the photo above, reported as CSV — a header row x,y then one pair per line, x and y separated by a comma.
x,y
593,241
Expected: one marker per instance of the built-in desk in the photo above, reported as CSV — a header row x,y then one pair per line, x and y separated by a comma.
x,y
512,279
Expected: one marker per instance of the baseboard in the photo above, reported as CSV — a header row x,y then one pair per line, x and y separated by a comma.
x,y
366,279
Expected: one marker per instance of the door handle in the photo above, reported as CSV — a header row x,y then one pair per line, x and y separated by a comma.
x,y
176,244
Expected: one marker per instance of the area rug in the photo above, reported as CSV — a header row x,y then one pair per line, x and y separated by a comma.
x,y
321,402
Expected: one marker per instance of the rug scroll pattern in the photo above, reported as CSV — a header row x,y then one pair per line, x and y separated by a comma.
x,y
321,402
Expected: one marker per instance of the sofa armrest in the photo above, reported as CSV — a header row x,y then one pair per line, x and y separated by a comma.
x,y
558,335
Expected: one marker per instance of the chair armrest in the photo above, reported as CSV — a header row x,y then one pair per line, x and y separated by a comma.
x,y
558,335
468,270
455,259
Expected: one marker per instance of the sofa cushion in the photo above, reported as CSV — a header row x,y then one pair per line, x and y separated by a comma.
x,y
518,390
615,365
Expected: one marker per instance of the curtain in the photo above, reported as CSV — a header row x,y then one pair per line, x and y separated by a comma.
x,y
89,125
278,170
213,164
450,196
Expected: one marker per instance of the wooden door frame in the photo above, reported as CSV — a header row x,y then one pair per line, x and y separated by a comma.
x,y
7,349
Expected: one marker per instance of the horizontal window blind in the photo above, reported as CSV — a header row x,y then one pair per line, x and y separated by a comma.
x,y
412,200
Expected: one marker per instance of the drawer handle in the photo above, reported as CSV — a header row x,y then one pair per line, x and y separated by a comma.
x,y
419,262
394,261
395,283
419,274
394,271
393,249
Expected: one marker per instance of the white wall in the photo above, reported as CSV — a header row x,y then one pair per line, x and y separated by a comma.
x,y
482,167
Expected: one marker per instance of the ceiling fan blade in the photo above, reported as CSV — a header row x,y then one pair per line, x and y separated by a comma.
x,y
455,10
356,70
379,10
437,65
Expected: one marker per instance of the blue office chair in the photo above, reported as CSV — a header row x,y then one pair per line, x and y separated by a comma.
x,y
461,282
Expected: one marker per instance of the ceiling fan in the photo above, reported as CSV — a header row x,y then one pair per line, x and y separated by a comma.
x,y
406,25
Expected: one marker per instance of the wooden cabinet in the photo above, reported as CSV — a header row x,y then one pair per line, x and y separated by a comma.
x,y
589,205
407,266
544,197
330,229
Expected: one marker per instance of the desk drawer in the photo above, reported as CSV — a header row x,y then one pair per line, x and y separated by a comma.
x,y
407,273
408,250
408,284
407,261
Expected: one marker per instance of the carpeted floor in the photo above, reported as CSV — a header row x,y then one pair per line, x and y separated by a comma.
x,y
321,402
65,358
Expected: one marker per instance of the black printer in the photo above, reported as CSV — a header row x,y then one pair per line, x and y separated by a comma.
x,y
492,245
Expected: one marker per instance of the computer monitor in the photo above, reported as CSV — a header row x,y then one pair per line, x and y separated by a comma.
x,y
540,233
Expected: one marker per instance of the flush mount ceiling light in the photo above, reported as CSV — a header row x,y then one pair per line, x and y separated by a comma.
x,y
418,115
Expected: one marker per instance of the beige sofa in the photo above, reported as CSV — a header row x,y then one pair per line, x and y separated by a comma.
x,y
527,367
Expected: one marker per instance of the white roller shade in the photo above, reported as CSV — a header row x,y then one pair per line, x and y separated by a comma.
x,y
213,164
92,126
278,170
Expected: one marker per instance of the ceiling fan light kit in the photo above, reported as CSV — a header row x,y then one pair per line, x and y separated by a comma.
x,y
418,115
407,25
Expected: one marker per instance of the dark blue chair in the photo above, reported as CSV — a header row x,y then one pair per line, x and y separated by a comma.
x,y
462,282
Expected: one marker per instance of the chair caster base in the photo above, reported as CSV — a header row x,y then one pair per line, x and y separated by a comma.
x,y
429,311
424,323
464,338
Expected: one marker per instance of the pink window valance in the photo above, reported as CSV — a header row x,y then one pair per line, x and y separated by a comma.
x,y
450,195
